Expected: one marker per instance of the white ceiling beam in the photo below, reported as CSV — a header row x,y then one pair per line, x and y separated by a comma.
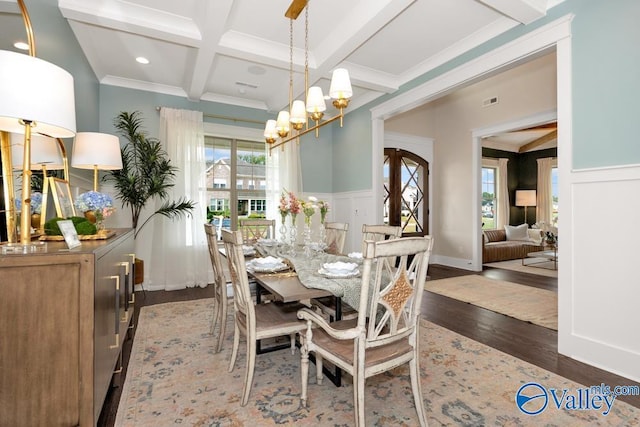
x,y
524,11
215,16
132,18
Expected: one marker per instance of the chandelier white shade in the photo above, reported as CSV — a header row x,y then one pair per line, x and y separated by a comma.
x,y
340,84
44,152
35,91
315,100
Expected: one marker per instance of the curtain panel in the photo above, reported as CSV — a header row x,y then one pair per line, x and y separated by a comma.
x,y
179,253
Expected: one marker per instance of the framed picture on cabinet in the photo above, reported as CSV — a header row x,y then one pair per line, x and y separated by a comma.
x,y
61,192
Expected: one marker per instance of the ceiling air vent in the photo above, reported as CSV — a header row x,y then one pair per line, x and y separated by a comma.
x,y
490,101
250,85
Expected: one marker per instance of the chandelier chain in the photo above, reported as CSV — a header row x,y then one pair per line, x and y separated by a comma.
x,y
290,63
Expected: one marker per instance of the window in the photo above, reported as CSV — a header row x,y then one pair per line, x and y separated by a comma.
x,y
233,167
489,199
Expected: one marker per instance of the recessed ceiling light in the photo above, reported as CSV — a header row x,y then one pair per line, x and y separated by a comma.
x,y
142,60
21,45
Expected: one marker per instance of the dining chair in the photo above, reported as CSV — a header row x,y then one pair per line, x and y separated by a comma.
x,y
255,322
386,331
377,232
256,229
220,301
335,236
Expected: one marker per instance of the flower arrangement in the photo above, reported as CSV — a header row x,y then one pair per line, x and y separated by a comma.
x,y
294,207
283,207
324,208
36,203
93,201
309,208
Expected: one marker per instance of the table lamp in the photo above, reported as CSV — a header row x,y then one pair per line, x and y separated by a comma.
x,y
97,151
37,97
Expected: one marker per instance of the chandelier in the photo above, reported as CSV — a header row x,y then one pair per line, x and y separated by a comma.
x,y
293,123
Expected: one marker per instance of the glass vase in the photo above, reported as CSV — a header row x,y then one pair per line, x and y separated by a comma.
x,y
293,233
283,230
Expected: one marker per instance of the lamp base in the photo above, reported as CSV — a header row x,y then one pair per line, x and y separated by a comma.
x,y
23,248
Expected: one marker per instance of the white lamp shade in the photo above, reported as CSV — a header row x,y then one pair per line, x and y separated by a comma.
x,y
38,91
44,152
315,100
340,84
270,129
92,149
282,124
525,197
298,112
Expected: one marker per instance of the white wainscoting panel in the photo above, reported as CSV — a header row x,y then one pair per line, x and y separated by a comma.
x,y
599,284
356,208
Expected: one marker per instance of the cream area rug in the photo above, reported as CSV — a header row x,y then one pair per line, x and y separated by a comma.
x,y
175,378
538,306
542,267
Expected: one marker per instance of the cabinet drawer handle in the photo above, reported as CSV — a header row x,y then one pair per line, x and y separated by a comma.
x,y
117,312
126,267
117,344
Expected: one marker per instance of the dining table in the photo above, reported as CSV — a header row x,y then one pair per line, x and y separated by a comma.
x,y
302,280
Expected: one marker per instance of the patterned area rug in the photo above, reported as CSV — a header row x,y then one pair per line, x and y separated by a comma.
x,y
175,378
538,306
542,267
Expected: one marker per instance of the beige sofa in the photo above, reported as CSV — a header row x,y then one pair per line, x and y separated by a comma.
x,y
496,247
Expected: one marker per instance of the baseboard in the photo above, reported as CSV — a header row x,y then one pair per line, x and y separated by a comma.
x,y
464,264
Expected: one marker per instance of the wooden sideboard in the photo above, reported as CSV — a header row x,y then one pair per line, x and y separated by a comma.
x,y
63,318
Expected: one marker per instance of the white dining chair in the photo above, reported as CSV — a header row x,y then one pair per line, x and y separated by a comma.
x,y
385,333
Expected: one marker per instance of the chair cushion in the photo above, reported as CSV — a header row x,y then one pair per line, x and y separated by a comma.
x,y
343,349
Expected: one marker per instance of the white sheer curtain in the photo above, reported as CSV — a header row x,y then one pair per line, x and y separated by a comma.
x,y
179,254
503,194
283,172
545,197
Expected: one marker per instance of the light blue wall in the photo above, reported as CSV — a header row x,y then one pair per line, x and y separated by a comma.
x,y
606,69
56,43
606,88
352,152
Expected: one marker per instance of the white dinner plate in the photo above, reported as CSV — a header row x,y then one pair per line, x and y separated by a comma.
x,y
332,275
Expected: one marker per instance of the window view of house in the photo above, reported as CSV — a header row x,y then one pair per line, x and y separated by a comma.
x,y
236,179
489,202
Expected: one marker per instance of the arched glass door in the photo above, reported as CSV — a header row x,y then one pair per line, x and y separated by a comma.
x,y
406,191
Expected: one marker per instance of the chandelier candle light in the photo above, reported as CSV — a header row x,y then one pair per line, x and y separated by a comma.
x,y
297,116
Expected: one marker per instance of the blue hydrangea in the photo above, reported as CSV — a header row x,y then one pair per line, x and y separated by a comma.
x,y
93,201
36,203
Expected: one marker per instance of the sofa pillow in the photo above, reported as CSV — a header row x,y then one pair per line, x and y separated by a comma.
x,y
518,232
535,235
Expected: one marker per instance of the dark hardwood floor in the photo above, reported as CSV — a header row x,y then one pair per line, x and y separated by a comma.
x,y
534,344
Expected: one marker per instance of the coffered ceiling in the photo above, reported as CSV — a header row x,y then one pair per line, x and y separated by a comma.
x,y
237,51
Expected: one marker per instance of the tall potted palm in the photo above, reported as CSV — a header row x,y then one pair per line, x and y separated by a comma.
x,y
146,174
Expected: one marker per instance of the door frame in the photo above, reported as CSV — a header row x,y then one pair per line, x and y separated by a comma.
x,y
554,35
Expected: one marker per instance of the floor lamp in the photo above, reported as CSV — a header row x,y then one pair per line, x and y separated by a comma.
x,y
525,198
37,97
